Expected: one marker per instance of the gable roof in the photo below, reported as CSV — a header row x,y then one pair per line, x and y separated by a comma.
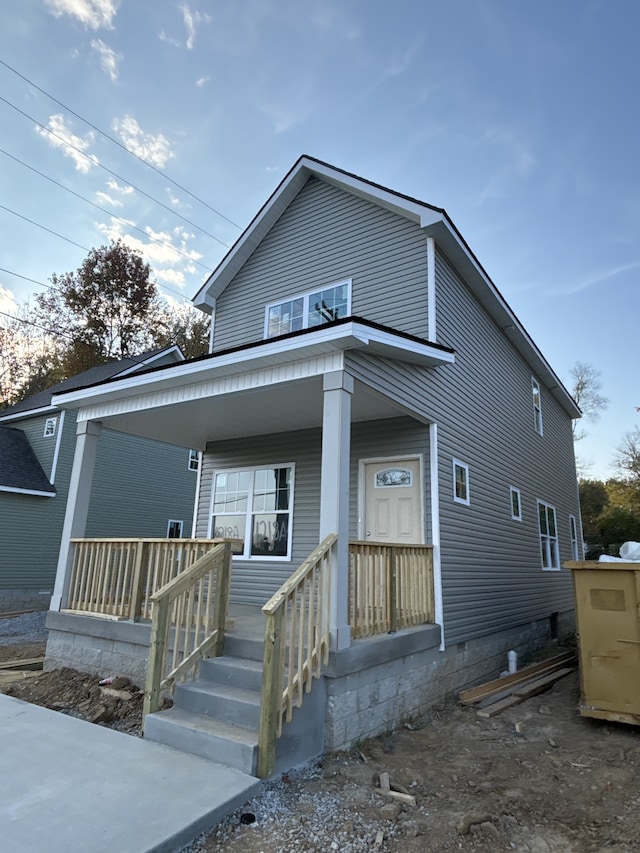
x,y
42,401
435,223
20,470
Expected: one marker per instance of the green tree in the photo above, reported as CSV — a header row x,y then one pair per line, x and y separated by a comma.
x,y
109,307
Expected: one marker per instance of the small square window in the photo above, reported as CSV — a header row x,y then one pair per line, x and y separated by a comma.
x,y
516,504
194,460
50,427
174,529
460,482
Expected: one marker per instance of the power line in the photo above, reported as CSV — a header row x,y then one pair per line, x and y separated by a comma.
x,y
37,326
103,209
119,144
44,227
111,172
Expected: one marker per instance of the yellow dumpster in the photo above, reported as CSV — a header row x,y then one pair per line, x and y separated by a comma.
x,y
607,599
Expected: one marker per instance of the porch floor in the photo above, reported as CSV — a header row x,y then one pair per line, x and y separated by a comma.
x,y
69,786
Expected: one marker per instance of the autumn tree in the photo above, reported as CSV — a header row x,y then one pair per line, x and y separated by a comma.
x,y
185,326
109,307
29,358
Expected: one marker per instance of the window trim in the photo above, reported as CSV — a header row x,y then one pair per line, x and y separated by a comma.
x,y
194,457
175,521
305,309
246,552
50,426
537,406
550,545
464,467
573,537
515,491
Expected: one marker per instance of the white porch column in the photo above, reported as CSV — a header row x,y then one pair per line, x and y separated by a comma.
x,y
75,519
334,495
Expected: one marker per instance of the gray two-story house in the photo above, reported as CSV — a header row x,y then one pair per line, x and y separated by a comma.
x,y
368,388
141,487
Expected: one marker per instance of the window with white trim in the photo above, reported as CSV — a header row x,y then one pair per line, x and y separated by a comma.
x,y
516,503
315,308
194,460
256,506
573,530
549,550
50,427
537,405
174,529
460,482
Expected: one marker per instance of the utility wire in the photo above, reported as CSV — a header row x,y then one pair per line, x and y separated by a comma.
x,y
96,162
37,325
120,145
44,228
103,209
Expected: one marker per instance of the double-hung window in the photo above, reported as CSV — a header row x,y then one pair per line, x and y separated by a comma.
x,y
516,504
573,529
460,482
255,505
308,310
548,537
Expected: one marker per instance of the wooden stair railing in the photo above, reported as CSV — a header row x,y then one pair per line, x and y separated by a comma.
x,y
194,607
296,646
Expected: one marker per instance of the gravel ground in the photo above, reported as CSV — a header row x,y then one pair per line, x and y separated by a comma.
x,y
28,628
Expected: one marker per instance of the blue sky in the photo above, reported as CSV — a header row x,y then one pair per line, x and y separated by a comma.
x,y
519,119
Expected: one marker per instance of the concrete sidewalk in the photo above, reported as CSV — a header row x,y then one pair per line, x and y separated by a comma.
x,y
67,786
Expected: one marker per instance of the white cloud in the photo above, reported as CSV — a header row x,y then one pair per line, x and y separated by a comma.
x,y
94,14
201,81
109,59
155,149
7,300
171,276
60,136
169,40
603,275
115,187
105,198
191,22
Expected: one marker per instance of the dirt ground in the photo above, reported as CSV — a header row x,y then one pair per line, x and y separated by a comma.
x,y
538,778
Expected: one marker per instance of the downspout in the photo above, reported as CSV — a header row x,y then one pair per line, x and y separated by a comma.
x,y
431,290
435,530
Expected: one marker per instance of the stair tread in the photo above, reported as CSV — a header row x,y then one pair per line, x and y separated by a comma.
x,y
228,691
231,661
209,725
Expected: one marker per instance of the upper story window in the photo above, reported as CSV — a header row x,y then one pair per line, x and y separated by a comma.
x,y
194,460
50,427
460,482
573,529
308,310
537,405
548,536
516,504
256,506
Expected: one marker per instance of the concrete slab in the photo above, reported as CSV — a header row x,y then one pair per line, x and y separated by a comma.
x,y
68,786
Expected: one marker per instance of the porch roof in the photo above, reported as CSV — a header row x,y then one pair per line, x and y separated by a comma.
x,y
249,390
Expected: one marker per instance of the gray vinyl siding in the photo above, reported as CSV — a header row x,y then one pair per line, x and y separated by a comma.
x,y
138,486
253,581
44,448
327,235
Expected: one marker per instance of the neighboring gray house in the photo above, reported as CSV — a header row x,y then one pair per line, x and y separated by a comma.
x,y
141,487
367,379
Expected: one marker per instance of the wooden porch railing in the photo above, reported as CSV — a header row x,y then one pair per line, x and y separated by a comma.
x,y
390,587
188,622
117,577
296,646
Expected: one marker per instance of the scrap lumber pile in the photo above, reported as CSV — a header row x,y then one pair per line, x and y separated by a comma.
x,y
502,693
18,670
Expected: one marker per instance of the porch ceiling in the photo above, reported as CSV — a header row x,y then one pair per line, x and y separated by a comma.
x,y
276,408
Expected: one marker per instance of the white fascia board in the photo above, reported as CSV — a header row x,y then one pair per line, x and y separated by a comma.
x,y
347,336
148,362
27,492
30,413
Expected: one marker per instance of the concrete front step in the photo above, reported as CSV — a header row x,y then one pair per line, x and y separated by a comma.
x,y
244,647
237,672
197,734
222,701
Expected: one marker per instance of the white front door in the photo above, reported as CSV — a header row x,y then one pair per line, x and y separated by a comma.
x,y
393,501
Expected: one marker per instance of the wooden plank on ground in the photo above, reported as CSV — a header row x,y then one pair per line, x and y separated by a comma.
x,y
11,614
520,694
25,663
481,691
